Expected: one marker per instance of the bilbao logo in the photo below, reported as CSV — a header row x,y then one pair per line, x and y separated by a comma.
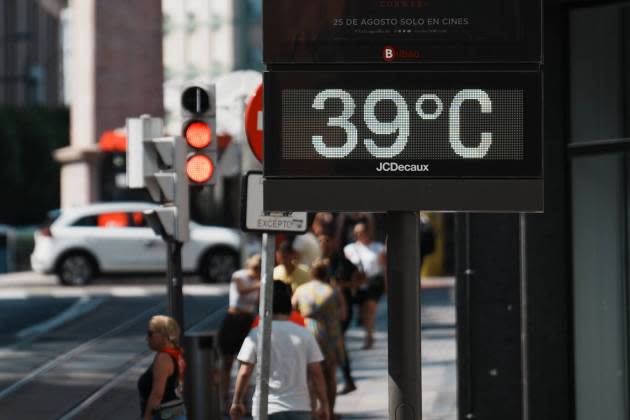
x,y
389,53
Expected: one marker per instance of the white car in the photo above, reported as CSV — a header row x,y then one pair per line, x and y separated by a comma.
x,y
81,242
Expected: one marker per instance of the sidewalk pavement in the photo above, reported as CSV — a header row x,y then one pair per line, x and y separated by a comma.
x,y
439,377
369,367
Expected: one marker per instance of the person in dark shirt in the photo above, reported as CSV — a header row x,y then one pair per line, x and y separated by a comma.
x,y
160,385
345,277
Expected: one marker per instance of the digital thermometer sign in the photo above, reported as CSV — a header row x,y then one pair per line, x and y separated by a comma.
x,y
401,105
403,124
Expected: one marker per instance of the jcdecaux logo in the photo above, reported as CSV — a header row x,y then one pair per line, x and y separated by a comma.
x,y
397,167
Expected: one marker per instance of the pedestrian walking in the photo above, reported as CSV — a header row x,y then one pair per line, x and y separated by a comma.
x,y
344,277
321,306
369,256
295,359
345,223
323,221
160,386
242,310
289,270
307,245
427,237
306,248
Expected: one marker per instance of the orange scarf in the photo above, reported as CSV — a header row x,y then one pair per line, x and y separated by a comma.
x,y
178,355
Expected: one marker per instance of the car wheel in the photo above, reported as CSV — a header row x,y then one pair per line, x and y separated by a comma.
x,y
76,270
219,265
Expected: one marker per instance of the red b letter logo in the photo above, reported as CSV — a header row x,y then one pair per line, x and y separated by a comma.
x,y
389,53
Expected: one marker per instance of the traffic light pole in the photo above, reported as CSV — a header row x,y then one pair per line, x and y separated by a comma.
x,y
174,281
160,164
403,303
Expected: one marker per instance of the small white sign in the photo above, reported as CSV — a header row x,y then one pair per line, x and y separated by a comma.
x,y
256,219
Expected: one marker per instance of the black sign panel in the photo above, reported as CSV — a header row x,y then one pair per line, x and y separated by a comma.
x,y
392,124
405,31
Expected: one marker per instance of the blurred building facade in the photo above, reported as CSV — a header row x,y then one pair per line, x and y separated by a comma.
x,y
598,159
544,299
114,61
118,66
204,39
30,53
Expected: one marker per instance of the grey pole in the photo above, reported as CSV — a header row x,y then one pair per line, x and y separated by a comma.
x,y
403,302
175,282
201,392
264,328
524,317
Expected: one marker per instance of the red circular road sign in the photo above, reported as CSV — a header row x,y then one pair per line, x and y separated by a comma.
x,y
254,122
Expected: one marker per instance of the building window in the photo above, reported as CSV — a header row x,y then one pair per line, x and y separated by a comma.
x,y
600,177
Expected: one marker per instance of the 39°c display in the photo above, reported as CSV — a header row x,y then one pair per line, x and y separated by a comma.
x,y
400,124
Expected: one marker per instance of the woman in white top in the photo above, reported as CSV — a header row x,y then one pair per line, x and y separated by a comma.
x,y
244,290
369,257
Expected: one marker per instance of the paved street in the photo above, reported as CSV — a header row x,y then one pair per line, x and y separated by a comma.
x,y
79,351
28,284
76,353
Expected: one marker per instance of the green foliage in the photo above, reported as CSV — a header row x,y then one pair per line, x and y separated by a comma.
x,y
29,176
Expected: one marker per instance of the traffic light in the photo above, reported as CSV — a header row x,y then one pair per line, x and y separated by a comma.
x,y
141,163
198,111
161,161
169,185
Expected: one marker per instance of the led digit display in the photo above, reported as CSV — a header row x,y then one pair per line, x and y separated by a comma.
x,y
409,124
404,124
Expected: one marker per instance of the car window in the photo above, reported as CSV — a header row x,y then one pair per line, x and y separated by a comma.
x,y
108,220
86,221
104,220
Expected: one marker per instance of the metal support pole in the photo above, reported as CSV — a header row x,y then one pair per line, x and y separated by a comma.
x,y
524,319
175,282
403,300
264,328
201,391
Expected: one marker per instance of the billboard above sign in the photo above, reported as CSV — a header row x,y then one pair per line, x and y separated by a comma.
x,y
397,124
405,31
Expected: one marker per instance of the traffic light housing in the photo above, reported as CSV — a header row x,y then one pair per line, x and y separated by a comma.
x,y
198,111
169,186
159,164
141,162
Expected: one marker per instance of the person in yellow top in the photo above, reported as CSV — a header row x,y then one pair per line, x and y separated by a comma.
x,y
288,269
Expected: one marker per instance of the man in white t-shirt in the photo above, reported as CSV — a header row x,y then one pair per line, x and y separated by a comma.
x,y
295,358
